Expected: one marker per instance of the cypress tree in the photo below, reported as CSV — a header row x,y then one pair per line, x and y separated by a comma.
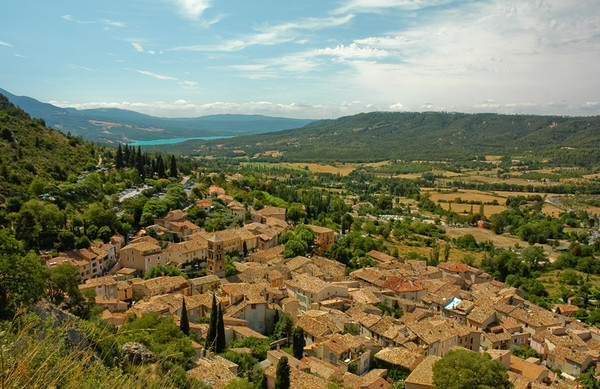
x,y
119,158
220,338
139,162
282,374
298,342
184,322
126,155
173,170
212,327
160,167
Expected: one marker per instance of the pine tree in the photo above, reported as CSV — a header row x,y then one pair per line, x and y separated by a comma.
x,y
298,342
220,337
212,327
173,170
282,374
184,322
119,158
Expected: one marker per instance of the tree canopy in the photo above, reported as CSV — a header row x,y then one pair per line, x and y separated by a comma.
x,y
463,369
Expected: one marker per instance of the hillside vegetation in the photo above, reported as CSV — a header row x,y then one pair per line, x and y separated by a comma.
x,y
29,150
416,136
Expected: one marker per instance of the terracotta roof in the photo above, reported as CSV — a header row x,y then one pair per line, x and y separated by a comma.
x,y
423,373
307,283
455,267
319,229
340,344
322,368
268,211
380,257
247,332
214,371
402,284
481,314
318,327
400,356
526,369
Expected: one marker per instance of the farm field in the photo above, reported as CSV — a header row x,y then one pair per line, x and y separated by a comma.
x,y
483,235
343,169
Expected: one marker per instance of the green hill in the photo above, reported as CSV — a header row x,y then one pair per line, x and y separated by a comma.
x,y
413,136
29,149
112,125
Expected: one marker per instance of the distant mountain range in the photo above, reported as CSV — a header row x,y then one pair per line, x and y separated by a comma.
x,y
438,136
112,125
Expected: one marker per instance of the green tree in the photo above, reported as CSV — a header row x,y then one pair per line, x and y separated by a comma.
x,y
63,289
184,325
160,271
284,327
27,228
211,334
22,278
220,337
282,374
173,170
295,213
298,342
119,158
463,369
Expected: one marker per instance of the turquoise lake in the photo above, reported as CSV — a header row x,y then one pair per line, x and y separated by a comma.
x,y
171,141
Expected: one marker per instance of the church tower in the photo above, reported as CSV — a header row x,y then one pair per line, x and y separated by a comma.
x,y
215,263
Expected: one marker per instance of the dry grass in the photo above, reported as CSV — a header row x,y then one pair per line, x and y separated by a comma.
x,y
488,210
32,357
465,195
483,235
343,168
456,254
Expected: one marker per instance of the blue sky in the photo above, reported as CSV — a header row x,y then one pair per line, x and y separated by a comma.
x,y
305,59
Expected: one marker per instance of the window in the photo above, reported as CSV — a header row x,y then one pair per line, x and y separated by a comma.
x,y
253,306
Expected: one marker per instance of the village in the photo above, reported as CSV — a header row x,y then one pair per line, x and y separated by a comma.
x,y
348,337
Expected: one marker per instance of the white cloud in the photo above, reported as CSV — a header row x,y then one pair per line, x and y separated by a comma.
x,y
188,84
74,66
140,49
67,17
398,107
2,43
113,23
269,35
352,51
380,5
158,76
192,9
591,105
186,108
499,48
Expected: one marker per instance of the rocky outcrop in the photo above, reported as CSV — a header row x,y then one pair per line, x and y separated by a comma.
x,y
135,353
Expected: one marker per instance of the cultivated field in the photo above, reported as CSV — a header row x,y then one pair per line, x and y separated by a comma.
x,y
343,168
484,235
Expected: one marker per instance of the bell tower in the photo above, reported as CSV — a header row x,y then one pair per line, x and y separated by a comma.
x,y
215,263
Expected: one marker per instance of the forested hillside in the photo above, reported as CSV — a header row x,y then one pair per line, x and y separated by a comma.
x,y
30,150
414,136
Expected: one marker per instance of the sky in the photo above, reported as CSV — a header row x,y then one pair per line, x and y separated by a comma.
x,y
305,59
